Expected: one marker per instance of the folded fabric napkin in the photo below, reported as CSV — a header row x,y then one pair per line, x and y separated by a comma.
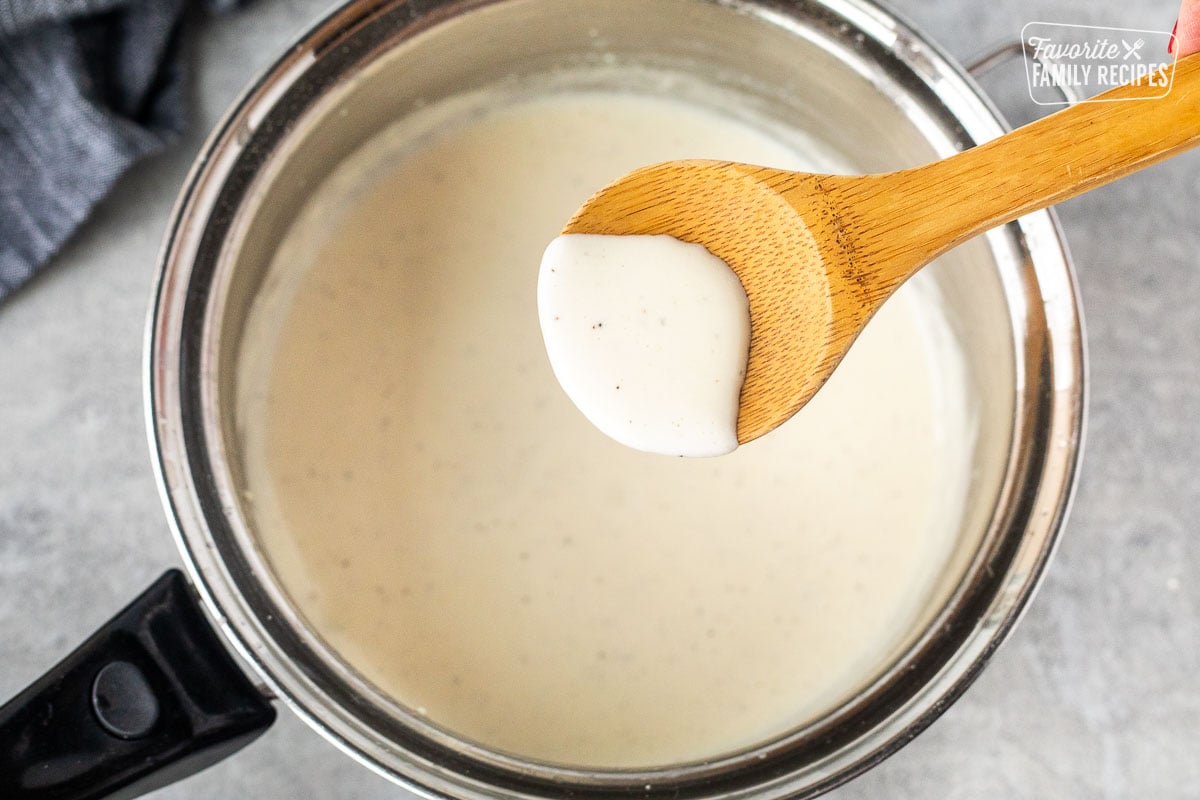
x,y
87,87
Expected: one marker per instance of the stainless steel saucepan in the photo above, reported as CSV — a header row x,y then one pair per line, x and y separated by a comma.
x,y
180,677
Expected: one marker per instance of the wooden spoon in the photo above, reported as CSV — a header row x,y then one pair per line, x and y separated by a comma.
x,y
818,254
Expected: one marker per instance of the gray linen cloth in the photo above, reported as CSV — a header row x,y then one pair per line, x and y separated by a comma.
x,y
87,87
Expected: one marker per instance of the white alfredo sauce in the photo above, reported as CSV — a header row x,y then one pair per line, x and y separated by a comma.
x,y
457,532
648,336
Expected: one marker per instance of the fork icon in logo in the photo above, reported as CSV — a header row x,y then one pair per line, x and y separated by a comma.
x,y
1132,49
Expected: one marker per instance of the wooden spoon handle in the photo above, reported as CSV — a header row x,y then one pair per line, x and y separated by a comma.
x,y
914,215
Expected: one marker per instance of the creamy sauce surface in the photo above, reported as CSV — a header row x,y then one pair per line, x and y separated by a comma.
x,y
649,337
453,527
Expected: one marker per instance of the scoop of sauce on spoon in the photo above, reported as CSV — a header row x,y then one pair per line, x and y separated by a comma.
x,y
817,255
648,336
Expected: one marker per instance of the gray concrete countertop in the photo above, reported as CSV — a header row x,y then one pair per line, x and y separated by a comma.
x,y
1097,694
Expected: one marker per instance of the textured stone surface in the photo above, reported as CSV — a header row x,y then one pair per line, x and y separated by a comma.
x,y
1096,695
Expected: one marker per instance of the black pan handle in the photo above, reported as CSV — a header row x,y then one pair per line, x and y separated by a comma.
x,y
150,698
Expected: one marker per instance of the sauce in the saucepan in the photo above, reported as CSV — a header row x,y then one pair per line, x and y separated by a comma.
x,y
453,527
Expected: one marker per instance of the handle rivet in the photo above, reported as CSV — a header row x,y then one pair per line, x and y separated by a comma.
x,y
123,701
